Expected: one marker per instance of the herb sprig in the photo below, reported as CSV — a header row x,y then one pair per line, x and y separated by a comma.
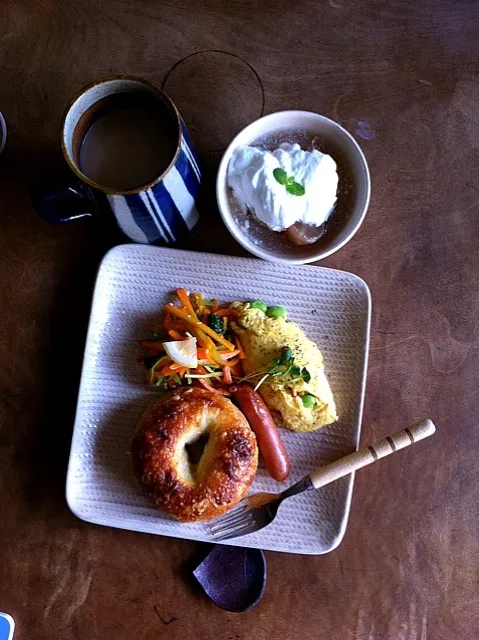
x,y
281,366
292,187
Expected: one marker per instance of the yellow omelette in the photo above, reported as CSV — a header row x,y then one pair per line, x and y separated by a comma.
x,y
262,339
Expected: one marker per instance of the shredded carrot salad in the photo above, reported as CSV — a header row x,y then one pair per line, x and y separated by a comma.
x,y
218,350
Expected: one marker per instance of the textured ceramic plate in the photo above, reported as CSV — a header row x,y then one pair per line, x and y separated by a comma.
x,y
134,283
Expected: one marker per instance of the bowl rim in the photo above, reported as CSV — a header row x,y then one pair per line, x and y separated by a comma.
x,y
225,210
3,132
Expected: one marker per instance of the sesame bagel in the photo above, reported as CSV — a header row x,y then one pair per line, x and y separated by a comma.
x,y
187,489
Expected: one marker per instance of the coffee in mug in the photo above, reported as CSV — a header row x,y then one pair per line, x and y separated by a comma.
x,y
126,141
128,146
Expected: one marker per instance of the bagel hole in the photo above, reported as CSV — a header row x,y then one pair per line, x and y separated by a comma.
x,y
196,449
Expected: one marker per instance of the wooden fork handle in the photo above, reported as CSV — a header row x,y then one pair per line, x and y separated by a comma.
x,y
372,453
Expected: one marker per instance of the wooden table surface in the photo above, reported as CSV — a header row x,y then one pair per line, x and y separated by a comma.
x,y
403,78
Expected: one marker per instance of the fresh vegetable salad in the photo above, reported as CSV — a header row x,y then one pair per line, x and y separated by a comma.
x,y
196,346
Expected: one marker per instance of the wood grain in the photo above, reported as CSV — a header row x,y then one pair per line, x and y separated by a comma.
x,y
403,78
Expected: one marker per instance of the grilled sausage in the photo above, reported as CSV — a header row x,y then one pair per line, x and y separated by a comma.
x,y
270,444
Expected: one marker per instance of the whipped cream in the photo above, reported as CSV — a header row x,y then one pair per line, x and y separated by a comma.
x,y
250,176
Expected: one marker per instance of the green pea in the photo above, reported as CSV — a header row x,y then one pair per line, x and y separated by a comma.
x,y
276,312
257,304
308,401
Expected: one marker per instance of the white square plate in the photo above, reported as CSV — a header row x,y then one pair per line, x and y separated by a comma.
x,y
134,283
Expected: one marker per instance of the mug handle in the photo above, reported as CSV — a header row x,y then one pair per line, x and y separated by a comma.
x,y
63,198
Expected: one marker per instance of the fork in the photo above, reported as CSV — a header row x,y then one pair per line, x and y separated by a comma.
x,y
260,509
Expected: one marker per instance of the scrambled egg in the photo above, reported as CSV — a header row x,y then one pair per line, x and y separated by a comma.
x,y
263,338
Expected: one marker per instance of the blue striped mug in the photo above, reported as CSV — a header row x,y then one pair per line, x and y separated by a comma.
x,y
131,155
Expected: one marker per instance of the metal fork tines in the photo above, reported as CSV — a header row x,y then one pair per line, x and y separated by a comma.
x,y
241,521
254,513
237,522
